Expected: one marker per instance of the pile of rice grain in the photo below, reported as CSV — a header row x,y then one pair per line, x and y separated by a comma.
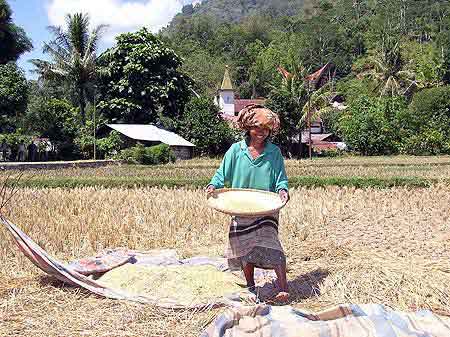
x,y
185,284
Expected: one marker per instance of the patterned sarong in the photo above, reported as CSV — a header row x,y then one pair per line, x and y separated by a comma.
x,y
254,240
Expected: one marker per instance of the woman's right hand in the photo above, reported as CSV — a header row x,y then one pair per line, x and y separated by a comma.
x,y
210,190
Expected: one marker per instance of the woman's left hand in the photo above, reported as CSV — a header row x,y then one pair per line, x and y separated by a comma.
x,y
284,195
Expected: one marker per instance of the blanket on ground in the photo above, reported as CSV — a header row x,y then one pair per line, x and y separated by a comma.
x,y
370,320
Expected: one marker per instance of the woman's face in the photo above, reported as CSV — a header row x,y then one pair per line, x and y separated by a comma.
x,y
259,134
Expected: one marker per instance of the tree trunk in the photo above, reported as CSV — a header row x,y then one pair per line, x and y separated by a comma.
x,y
82,102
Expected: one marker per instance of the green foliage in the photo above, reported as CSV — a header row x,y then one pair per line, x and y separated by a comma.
x,y
140,79
426,125
13,40
203,126
14,139
154,155
52,118
110,146
13,96
289,111
369,127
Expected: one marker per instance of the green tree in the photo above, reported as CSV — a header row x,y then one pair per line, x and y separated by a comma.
x,y
73,53
369,126
289,111
51,118
425,127
141,80
13,39
13,96
386,68
203,126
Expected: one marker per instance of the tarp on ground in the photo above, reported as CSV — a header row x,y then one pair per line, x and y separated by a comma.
x,y
68,274
370,320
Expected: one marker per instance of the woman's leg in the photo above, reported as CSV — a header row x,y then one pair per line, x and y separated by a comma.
x,y
249,273
283,295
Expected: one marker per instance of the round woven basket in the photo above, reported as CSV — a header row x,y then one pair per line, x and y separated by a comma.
x,y
245,202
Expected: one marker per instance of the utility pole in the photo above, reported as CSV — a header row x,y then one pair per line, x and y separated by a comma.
x,y
95,134
309,122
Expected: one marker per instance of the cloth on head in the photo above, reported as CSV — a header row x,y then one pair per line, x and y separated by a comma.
x,y
255,115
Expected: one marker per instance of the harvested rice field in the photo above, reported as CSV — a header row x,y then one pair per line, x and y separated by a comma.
x,y
343,245
345,171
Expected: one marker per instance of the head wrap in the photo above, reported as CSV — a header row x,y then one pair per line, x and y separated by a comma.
x,y
256,115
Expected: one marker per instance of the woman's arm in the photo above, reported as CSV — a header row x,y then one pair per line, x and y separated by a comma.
x,y
224,172
281,183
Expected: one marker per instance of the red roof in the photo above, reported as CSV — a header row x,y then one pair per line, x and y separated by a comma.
x,y
240,104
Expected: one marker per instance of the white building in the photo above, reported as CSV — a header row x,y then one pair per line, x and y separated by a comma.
x,y
225,98
230,106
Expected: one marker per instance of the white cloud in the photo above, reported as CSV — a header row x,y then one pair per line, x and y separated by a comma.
x,y
120,15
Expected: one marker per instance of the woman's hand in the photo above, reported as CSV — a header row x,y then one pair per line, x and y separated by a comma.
x,y
210,190
284,196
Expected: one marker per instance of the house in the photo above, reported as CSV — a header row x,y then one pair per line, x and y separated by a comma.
x,y
230,106
152,135
227,102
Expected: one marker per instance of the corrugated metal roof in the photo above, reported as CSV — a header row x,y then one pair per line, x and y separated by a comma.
x,y
150,133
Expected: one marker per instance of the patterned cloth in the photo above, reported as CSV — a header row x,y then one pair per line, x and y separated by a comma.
x,y
255,115
41,259
250,238
370,320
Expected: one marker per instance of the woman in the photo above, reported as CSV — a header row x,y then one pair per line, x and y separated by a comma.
x,y
255,163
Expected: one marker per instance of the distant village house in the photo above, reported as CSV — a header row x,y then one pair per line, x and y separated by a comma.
x,y
229,107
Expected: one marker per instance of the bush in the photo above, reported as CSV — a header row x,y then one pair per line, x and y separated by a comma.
x,y
203,126
331,153
370,125
425,126
154,155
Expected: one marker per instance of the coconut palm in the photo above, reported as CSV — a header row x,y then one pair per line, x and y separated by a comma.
x,y
73,54
318,104
387,70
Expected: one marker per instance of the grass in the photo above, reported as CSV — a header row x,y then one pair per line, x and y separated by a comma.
x,y
379,172
343,245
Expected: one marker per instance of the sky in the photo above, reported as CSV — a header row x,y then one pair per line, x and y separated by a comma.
x,y
120,16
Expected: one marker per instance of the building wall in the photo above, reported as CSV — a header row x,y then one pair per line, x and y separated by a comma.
x,y
182,152
226,102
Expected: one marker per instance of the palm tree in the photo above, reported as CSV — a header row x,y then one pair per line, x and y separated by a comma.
x,y
73,54
386,69
318,105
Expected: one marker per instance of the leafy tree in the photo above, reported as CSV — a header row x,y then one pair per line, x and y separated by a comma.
x,y
51,118
13,96
13,39
203,126
141,80
425,126
73,54
368,127
289,111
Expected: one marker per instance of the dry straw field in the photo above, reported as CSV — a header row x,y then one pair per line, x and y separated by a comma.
x,y
344,245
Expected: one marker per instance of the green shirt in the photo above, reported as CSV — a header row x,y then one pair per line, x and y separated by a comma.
x,y
239,170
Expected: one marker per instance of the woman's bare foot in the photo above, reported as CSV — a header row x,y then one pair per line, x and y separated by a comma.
x,y
281,297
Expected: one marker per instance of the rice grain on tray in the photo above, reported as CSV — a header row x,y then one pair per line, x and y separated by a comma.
x,y
185,284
